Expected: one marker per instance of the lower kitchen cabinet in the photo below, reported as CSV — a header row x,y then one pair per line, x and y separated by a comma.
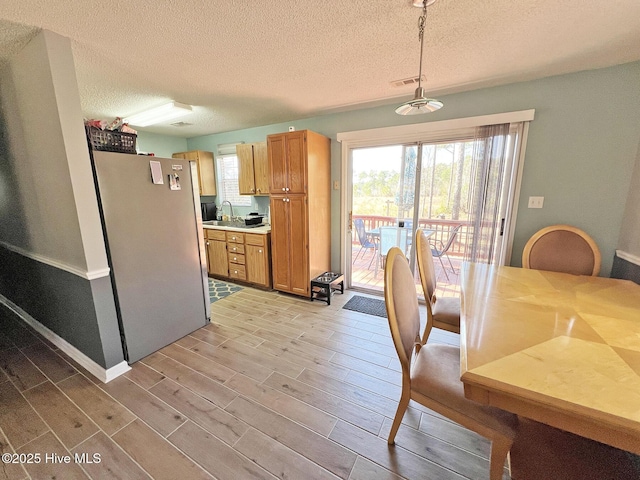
x,y
239,256
235,249
258,260
216,241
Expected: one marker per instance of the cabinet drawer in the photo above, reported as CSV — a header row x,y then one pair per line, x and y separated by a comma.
x,y
235,237
237,271
215,234
236,258
255,239
235,248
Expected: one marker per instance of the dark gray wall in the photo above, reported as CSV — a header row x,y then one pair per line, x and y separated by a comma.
x,y
76,309
625,270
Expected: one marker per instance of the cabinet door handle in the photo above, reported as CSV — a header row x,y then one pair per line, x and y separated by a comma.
x,y
284,199
259,190
284,189
235,258
207,243
259,251
252,190
287,189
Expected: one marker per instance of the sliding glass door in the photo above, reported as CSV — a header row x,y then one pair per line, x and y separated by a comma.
x,y
458,190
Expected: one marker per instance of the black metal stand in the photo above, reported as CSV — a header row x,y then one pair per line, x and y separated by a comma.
x,y
323,286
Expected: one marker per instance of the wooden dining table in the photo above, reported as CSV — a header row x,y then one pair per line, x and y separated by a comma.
x,y
556,348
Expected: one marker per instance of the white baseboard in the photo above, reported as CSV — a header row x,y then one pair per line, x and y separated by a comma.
x,y
104,375
628,257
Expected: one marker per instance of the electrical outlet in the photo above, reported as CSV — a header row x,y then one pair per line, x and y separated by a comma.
x,y
536,202
336,185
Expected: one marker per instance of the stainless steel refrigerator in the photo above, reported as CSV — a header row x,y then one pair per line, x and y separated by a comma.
x,y
153,231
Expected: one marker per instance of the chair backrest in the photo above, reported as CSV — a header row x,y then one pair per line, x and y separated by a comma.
x,y
425,265
452,237
402,306
392,237
362,234
562,248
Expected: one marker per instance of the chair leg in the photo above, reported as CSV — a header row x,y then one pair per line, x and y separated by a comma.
x,y
402,407
453,270
499,449
375,251
357,254
443,268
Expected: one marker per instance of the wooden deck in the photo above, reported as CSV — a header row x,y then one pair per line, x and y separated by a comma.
x,y
364,274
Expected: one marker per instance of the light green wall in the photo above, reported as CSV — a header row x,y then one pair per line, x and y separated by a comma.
x,y
162,145
580,153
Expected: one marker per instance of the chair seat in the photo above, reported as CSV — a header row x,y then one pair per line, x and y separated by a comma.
x,y
436,375
447,310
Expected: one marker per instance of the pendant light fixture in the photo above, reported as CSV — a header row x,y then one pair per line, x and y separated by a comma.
x,y
420,103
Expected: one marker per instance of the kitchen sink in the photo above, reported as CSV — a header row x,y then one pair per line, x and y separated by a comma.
x,y
229,223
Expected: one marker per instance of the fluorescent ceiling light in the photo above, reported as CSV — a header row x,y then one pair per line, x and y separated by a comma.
x,y
159,114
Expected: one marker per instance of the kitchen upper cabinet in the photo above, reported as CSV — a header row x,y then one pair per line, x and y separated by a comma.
x,y
206,169
253,168
288,162
300,221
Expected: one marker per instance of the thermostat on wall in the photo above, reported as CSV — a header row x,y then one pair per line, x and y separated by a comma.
x,y
292,129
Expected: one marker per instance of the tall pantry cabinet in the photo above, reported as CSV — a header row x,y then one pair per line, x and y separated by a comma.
x,y
300,188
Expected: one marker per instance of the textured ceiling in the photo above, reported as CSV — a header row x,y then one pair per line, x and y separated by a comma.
x,y
245,64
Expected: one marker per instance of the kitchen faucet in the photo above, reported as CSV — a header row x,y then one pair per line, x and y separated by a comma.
x,y
230,208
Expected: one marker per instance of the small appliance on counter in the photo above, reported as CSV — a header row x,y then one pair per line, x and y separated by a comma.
x,y
253,218
209,211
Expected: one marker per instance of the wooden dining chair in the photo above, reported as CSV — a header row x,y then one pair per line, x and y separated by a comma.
x,y
444,311
562,248
434,378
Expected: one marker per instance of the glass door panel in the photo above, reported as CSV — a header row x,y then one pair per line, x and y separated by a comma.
x,y
383,195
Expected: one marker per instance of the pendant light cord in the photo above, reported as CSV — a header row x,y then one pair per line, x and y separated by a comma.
x,y
421,24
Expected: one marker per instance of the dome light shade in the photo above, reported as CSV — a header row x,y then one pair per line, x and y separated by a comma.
x,y
420,103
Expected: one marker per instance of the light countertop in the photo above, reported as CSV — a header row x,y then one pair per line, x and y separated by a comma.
x,y
258,230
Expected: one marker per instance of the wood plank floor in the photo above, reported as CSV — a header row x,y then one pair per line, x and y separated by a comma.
x,y
275,387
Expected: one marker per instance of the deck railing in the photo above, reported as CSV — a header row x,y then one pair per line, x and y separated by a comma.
x,y
442,229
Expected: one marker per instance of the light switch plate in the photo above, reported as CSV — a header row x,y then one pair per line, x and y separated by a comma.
x,y
536,202
336,185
